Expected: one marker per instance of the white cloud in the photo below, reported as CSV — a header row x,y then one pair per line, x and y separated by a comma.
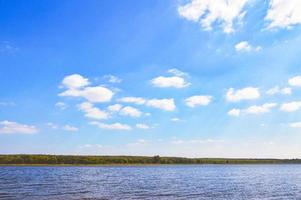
x,y
71,93
209,12
260,109
9,127
97,94
172,81
113,79
278,90
61,105
142,126
283,13
291,106
130,111
176,81
75,81
177,72
234,112
198,100
93,112
93,94
295,125
247,93
295,81
114,126
77,87
114,108
135,100
164,104
70,128
244,46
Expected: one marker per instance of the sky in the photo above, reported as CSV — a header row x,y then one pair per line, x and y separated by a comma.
x,y
193,78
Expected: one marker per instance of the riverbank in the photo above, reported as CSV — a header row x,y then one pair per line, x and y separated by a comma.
x,y
80,160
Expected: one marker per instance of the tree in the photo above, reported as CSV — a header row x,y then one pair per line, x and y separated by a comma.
x,y
156,159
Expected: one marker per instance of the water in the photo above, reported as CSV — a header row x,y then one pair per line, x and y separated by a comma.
x,y
152,182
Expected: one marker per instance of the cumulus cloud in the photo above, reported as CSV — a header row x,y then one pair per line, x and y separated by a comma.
x,y
93,112
172,81
247,93
97,94
75,81
70,128
198,100
208,12
234,112
114,126
163,104
260,109
93,94
295,81
9,127
130,111
283,13
77,87
113,79
125,111
176,81
244,46
142,126
278,90
114,108
135,100
291,106
256,109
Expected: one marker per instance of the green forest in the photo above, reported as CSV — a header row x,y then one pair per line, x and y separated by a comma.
x,y
22,159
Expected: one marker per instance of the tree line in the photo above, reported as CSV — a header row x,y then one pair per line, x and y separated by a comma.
x,y
22,159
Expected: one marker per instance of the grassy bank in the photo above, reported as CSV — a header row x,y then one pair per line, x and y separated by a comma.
x,y
21,159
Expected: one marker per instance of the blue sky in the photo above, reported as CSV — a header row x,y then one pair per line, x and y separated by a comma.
x,y
194,78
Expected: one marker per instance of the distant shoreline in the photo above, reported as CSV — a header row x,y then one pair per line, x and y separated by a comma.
x,y
80,160
136,165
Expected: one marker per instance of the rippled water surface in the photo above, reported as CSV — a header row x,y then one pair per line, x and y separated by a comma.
x,y
152,182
